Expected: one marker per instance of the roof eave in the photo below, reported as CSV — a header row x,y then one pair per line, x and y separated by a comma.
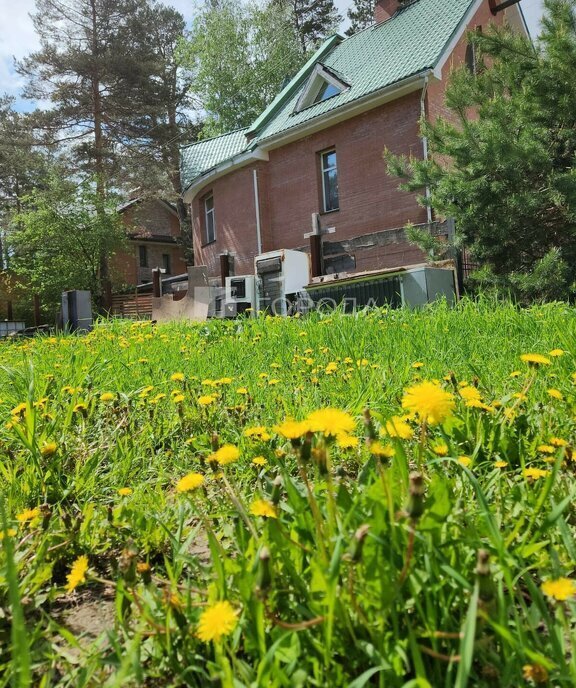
x,y
224,167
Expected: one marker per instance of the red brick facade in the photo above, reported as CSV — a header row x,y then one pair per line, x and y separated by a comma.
x,y
153,228
290,187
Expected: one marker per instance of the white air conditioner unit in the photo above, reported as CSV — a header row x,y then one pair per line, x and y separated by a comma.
x,y
240,295
282,276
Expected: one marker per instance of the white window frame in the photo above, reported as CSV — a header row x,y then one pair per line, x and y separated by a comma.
x,y
209,215
323,170
319,77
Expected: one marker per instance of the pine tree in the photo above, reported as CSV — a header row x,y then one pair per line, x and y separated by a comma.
x,y
361,16
313,20
504,163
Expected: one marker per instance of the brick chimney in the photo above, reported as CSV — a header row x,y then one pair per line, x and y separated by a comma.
x,y
384,9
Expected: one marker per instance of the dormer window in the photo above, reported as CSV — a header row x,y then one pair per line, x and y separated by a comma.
x,y
322,84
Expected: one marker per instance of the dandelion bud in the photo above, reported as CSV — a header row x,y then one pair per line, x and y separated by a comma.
x,y
215,441
357,544
321,457
143,568
127,563
485,584
264,573
415,507
276,490
46,513
369,429
306,448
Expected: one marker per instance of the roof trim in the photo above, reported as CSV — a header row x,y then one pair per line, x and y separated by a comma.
x,y
228,165
456,36
139,199
294,83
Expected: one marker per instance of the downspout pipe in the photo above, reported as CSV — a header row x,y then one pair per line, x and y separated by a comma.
x,y
257,211
425,146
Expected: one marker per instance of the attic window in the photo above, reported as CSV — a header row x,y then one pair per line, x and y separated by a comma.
x,y
322,84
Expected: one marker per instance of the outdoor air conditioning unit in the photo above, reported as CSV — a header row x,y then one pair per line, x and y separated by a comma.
x,y
240,295
281,278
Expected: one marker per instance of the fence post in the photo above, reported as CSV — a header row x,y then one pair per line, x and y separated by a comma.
x,y
36,310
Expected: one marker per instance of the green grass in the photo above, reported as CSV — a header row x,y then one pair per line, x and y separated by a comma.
x,y
360,580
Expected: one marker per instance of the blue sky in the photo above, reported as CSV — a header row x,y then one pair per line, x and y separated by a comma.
x,y
17,37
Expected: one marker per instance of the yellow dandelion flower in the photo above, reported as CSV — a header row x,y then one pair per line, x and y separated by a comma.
x,y
177,377
558,442
398,427
19,410
500,464
384,451
28,515
429,401
515,373
259,461
178,398
535,673
465,461
292,429
228,453
261,507
535,473
535,359
258,431
417,364
242,390
273,381
206,399
107,396
560,589
545,448
440,449
216,621
331,422
190,482
49,449
125,491
77,573
555,353
470,395
11,532
81,408
555,394
347,441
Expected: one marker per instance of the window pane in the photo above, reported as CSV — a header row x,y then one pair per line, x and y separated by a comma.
x,y
327,91
209,219
143,251
329,160
330,190
166,263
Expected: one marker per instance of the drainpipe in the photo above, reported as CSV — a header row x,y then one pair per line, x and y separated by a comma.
x,y
257,209
425,145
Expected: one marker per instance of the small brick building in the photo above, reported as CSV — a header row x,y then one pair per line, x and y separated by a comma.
x,y
153,231
317,148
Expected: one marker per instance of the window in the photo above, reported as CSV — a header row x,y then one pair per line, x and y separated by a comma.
x,y
329,181
323,83
143,255
166,263
209,224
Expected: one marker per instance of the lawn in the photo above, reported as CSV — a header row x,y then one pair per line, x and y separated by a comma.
x,y
385,499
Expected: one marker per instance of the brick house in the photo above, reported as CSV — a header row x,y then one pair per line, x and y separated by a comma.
x,y
317,148
153,231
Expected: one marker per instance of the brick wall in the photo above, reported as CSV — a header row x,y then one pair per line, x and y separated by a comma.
x,y
290,191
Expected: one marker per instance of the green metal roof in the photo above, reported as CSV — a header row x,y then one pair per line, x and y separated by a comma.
x,y
197,158
409,43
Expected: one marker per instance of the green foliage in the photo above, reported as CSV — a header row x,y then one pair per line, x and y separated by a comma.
x,y
502,164
361,579
313,20
361,16
59,239
239,55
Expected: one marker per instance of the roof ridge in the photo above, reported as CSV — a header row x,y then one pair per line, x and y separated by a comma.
x,y
213,138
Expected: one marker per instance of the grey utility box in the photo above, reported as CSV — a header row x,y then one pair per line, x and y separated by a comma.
x,y
76,311
426,284
8,327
